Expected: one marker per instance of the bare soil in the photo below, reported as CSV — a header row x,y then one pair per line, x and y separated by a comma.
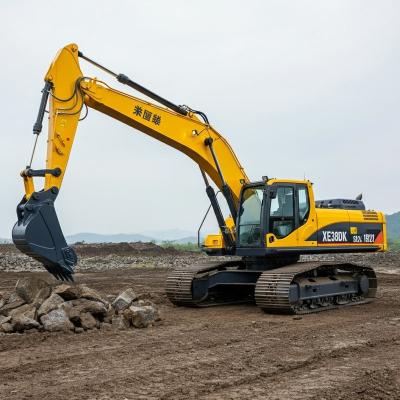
x,y
231,352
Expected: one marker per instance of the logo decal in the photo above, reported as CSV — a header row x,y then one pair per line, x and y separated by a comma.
x,y
147,115
334,236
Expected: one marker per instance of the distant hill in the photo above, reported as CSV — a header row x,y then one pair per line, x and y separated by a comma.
x,y
168,234
185,240
393,226
89,237
172,235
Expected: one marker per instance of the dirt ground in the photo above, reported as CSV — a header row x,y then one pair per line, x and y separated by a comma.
x,y
231,352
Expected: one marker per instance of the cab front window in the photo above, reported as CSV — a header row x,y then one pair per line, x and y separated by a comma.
x,y
250,229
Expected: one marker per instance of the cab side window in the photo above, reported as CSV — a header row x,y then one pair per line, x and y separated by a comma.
x,y
282,212
304,204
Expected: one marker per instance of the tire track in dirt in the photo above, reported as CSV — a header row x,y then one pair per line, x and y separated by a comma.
x,y
182,364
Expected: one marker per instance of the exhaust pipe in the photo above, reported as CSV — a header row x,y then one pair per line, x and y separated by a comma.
x,y
38,234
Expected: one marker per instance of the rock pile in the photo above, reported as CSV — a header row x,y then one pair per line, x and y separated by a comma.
x,y
37,306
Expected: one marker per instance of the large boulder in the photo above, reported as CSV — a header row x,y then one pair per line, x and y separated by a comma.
x,y
21,323
92,294
21,318
6,327
56,320
142,303
78,306
67,292
24,318
4,319
73,313
27,310
50,304
41,296
124,300
141,317
88,321
13,301
28,288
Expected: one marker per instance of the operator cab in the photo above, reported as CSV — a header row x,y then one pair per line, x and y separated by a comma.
x,y
278,208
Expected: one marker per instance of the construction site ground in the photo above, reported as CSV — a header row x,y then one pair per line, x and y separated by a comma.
x,y
226,352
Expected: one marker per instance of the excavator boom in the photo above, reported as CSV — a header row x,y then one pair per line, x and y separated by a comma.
x,y
37,231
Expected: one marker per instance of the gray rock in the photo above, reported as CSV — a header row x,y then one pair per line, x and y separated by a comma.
x,y
79,329
124,300
67,292
109,315
28,288
22,323
41,296
119,323
12,297
88,321
74,315
140,317
4,319
50,304
13,301
56,320
142,303
28,310
6,328
92,294
96,308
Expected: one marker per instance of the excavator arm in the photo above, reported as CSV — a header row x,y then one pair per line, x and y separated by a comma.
x,y
69,93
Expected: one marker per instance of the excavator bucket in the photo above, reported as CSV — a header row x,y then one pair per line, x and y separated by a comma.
x,y
38,234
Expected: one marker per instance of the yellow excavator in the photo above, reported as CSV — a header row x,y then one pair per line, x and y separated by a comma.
x,y
272,222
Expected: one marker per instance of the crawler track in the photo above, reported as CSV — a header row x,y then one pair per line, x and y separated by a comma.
x,y
179,286
272,292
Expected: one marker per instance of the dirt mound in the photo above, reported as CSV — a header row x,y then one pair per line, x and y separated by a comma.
x,y
8,248
105,256
122,249
101,249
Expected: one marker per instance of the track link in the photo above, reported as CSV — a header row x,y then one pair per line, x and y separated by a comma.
x,y
179,283
272,292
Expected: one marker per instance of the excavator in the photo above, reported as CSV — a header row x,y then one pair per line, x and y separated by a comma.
x,y
271,222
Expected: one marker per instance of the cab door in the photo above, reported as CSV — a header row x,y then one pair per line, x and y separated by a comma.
x,y
291,216
282,220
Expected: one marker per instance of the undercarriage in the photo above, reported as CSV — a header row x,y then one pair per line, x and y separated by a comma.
x,y
299,288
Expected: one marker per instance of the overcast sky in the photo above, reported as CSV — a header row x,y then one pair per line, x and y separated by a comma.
x,y
299,88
